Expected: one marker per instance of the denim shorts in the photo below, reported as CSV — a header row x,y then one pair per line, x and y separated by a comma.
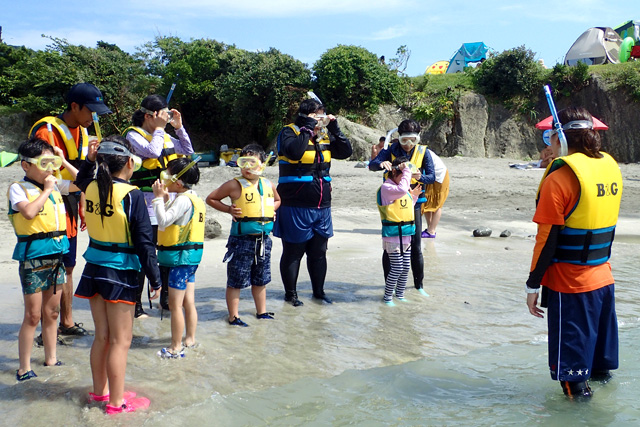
x,y
248,261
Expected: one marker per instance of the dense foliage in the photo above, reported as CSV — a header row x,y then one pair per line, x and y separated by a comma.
x,y
350,78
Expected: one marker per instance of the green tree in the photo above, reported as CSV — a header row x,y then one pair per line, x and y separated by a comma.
x,y
350,78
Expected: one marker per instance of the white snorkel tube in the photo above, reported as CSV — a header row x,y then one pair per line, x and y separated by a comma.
x,y
387,138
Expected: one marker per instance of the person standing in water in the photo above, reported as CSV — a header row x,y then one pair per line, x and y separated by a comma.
x,y
577,210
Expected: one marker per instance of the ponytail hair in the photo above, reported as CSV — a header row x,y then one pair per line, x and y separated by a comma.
x,y
107,165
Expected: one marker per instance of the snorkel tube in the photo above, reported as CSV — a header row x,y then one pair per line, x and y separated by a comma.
x,y
96,125
387,138
557,126
56,173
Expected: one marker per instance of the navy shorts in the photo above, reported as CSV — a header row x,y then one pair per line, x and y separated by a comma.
x,y
180,275
111,284
297,225
69,258
248,261
583,333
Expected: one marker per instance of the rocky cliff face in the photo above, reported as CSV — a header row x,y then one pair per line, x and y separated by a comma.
x,y
483,129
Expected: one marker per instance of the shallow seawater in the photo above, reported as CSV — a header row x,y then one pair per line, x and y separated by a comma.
x,y
468,354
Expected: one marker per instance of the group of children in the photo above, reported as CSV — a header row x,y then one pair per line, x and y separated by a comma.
x,y
121,244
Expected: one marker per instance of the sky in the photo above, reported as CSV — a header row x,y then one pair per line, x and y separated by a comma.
x,y
431,31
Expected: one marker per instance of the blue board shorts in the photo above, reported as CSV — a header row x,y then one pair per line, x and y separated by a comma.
x,y
39,275
297,225
180,275
583,333
248,261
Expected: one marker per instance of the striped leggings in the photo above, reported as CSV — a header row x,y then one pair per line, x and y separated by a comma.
x,y
398,274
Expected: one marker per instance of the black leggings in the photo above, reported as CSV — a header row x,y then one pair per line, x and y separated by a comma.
x,y
417,260
164,276
316,250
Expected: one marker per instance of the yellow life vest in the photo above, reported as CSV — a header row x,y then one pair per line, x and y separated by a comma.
x,y
398,217
589,229
257,203
76,150
110,242
183,244
315,162
417,158
168,150
43,235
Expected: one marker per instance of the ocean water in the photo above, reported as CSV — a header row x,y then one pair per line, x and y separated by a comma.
x,y
470,354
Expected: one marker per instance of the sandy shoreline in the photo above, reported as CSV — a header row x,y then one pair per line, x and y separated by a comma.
x,y
472,281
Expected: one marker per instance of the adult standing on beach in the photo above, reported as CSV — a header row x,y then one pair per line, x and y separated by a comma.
x,y
157,148
408,146
436,194
577,211
303,222
68,131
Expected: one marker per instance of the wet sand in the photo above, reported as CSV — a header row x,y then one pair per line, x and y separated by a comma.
x,y
475,285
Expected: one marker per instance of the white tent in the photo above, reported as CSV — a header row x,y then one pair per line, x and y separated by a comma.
x,y
595,46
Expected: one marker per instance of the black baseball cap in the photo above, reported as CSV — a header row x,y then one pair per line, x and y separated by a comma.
x,y
89,95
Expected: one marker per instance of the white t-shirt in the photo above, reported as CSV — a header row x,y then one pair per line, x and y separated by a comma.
x,y
17,194
438,165
177,211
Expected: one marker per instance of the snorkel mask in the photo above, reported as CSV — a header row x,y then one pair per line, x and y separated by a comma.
x,y
409,139
46,162
251,164
115,149
151,113
576,124
168,179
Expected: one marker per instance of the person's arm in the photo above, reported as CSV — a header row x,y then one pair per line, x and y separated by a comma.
x,y
141,234
340,145
294,146
30,210
178,208
382,160
427,169
144,148
276,198
85,174
183,143
229,189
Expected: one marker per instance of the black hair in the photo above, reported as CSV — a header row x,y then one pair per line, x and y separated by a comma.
x,y
151,103
309,106
408,126
397,162
255,150
107,165
382,138
34,147
190,177
586,141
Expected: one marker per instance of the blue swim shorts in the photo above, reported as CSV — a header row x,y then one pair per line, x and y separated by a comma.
x,y
583,333
297,225
248,261
181,275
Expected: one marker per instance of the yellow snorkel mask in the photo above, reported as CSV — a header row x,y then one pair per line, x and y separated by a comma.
x,y
167,179
46,162
251,164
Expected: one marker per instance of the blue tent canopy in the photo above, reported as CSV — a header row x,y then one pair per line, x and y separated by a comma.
x,y
468,52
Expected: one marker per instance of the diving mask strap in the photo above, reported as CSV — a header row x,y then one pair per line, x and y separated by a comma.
x,y
177,176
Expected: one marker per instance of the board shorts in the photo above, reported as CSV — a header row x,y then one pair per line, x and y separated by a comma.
x,y
39,275
111,284
583,333
436,194
180,275
297,225
248,261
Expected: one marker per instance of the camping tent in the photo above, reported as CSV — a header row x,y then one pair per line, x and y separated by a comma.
x,y
599,45
439,67
468,52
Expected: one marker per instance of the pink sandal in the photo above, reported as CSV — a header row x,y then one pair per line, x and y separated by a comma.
x,y
129,405
94,398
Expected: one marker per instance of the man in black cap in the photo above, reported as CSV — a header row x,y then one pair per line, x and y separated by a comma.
x,y
69,132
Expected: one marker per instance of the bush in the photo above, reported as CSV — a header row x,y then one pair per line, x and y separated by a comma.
x,y
512,73
624,76
350,78
566,80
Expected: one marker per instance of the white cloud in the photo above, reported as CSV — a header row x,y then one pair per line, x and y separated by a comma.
x,y
390,33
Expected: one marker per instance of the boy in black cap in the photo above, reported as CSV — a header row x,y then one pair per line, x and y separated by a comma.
x,y
69,132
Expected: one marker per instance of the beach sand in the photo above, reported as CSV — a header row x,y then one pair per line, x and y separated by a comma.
x,y
476,302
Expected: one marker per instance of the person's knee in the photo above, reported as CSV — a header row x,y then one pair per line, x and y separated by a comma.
x,y
32,317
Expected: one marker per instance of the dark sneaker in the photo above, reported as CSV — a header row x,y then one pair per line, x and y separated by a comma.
x,y
58,363
293,299
323,298
265,315
26,376
140,312
601,376
576,389
237,322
